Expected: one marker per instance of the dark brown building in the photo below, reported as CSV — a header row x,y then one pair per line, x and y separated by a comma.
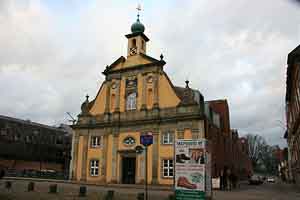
x,y
221,107
228,150
27,146
293,113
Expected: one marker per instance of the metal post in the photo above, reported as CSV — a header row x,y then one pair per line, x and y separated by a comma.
x,y
39,144
146,173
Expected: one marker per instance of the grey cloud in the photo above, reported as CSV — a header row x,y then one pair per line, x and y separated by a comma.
x,y
228,49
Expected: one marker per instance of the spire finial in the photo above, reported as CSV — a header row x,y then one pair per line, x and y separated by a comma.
x,y
187,83
87,97
161,56
139,8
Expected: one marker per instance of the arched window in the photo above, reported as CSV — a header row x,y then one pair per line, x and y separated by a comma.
x,y
134,43
131,101
143,45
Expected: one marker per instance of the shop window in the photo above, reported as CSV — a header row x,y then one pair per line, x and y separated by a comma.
x,y
59,140
3,132
16,137
131,101
94,168
95,141
28,138
167,138
168,168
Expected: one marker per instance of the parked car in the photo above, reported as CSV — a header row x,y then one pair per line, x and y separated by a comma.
x,y
255,180
271,180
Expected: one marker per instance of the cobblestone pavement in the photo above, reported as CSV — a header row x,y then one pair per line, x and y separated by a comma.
x,y
67,191
267,191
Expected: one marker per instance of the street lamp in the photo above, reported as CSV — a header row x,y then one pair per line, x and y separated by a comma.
x,y
37,134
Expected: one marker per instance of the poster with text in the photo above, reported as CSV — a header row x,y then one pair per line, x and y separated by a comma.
x,y
190,169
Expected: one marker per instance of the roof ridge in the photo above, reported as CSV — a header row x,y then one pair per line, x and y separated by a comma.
x,y
30,122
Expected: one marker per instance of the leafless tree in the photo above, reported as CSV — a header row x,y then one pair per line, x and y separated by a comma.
x,y
257,146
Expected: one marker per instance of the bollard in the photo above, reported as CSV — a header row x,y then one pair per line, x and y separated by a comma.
x,y
140,196
8,185
82,191
53,188
30,186
109,195
171,197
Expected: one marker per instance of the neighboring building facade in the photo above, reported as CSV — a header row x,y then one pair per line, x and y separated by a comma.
x,y
293,113
228,150
136,98
221,106
25,145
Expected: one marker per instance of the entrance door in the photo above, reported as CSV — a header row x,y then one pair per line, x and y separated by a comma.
x,y
128,170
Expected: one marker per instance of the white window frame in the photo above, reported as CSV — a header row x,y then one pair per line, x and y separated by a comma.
x,y
167,138
94,167
168,166
96,141
131,101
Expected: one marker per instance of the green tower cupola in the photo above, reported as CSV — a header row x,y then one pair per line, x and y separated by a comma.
x,y
137,39
137,27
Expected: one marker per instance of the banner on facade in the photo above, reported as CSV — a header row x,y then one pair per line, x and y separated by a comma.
x,y
190,169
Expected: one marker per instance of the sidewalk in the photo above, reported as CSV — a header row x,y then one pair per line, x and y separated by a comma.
x,y
131,186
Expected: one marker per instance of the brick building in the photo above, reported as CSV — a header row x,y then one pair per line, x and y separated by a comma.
x,y
293,113
228,150
26,145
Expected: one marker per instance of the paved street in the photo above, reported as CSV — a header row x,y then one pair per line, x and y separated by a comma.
x,y
67,191
267,191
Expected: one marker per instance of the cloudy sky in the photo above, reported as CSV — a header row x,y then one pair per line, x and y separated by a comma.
x,y
53,52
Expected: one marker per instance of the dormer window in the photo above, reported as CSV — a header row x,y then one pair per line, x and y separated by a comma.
x,y
131,101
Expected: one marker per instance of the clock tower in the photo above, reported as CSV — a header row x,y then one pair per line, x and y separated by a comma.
x,y
137,39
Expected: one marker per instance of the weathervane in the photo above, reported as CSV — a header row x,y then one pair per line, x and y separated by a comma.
x,y
139,8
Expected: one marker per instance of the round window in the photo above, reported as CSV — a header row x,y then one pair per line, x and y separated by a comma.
x,y
129,141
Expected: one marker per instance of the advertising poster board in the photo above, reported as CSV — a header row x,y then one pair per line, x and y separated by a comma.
x,y
190,169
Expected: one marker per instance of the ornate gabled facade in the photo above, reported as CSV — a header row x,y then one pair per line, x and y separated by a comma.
x,y
136,98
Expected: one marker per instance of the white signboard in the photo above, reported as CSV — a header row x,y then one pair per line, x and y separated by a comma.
x,y
190,168
216,183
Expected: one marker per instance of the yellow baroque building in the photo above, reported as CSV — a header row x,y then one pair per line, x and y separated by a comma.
x,y
136,98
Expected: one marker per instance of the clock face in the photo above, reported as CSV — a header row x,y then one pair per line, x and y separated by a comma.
x,y
133,50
